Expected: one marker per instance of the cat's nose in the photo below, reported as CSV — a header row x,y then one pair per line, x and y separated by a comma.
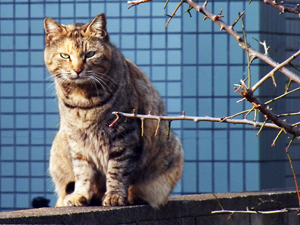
x,y
78,70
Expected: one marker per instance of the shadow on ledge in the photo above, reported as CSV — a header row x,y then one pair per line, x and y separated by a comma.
x,y
188,209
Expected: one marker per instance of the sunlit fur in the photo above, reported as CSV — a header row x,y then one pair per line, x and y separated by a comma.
x,y
91,162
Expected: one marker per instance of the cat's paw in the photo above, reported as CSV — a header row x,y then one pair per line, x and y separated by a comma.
x,y
75,199
114,199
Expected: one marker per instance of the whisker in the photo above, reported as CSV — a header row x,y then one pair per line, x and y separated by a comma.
x,y
105,76
104,85
94,85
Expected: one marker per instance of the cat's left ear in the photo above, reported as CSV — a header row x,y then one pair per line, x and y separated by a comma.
x,y
98,26
52,28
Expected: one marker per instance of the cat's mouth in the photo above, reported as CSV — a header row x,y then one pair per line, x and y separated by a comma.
x,y
78,78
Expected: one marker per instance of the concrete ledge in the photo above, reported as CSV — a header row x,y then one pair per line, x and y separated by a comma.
x,y
189,209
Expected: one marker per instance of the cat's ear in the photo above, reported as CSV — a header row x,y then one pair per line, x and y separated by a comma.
x,y
98,26
52,28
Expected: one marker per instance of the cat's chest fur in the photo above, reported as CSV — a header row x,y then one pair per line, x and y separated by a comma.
x,y
87,135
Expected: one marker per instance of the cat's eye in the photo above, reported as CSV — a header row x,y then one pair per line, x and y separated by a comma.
x,y
89,55
64,56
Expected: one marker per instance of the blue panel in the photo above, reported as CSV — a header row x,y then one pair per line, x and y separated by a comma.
x,y
22,169
7,153
7,42
174,41
37,137
158,72
22,121
142,41
7,90
67,10
6,26
37,121
22,26
189,145
22,10
37,184
159,41
22,200
7,200
22,137
7,121
174,105
81,9
22,153
36,10
37,153
22,74
220,145
236,177
6,10
205,145
236,145
189,178
205,177
22,185
189,50
252,177
143,25
7,169
189,81
220,177
174,73
37,169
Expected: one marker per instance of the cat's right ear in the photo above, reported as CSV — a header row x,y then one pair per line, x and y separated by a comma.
x,y
98,26
52,28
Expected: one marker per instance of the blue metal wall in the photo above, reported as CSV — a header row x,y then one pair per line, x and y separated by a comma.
x,y
192,64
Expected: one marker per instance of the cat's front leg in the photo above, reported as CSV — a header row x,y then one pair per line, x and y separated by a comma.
x,y
84,183
117,183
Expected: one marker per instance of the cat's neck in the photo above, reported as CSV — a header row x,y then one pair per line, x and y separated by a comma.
x,y
81,96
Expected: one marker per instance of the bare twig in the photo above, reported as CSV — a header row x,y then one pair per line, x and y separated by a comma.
x,y
249,59
173,14
283,95
293,171
137,2
277,136
239,17
219,203
276,68
283,7
255,212
264,44
195,119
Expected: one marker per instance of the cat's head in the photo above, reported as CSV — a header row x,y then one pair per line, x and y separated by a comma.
x,y
77,53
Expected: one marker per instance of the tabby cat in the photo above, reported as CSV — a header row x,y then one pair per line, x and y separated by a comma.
x,y
91,162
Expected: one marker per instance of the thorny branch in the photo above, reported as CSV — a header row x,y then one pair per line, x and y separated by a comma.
x,y
229,29
284,7
248,94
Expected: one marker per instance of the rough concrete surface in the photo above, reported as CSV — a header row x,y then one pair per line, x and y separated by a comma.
x,y
188,209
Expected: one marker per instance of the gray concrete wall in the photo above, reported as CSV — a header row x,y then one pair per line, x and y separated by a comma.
x,y
191,209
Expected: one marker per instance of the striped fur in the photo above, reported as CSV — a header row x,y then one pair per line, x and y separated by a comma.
x,y
92,163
